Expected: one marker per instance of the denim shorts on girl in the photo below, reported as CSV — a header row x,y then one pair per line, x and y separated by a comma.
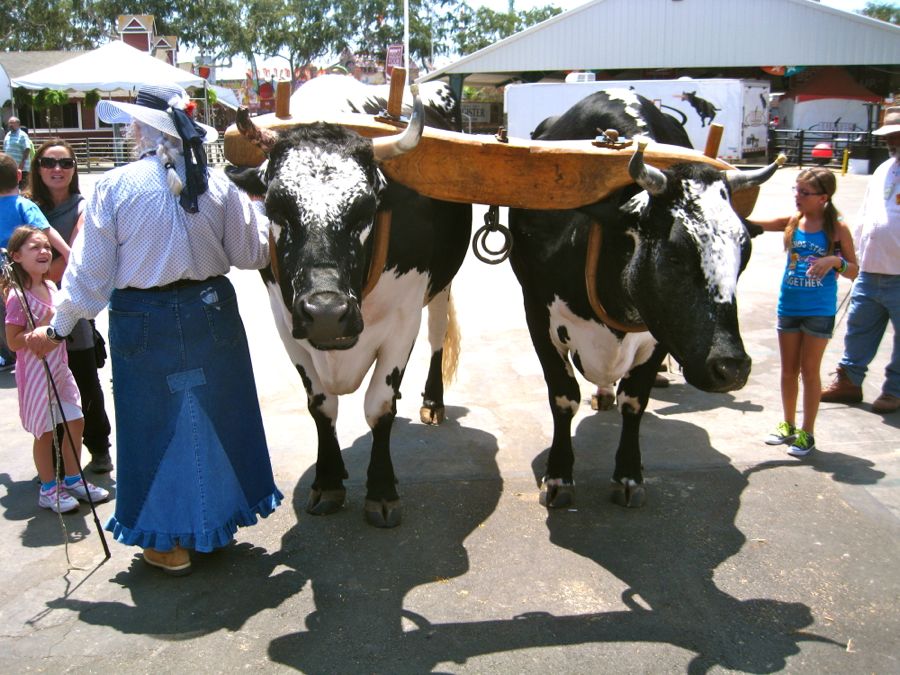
x,y
817,326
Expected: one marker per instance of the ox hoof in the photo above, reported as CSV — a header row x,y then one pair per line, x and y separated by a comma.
x,y
628,493
325,502
603,401
557,495
433,416
383,513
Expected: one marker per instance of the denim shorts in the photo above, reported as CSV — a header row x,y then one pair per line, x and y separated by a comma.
x,y
817,326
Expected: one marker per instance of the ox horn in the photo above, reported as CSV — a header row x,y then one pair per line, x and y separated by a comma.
x,y
386,147
741,180
264,139
648,177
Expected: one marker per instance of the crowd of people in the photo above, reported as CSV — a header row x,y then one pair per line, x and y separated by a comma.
x,y
153,246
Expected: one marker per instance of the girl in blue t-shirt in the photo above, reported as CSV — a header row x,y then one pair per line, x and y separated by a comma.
x,y
819,247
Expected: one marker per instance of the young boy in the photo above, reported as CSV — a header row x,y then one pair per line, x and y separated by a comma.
x,y
16,210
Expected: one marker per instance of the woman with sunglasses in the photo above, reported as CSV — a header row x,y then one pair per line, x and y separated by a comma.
x,y
819,248
53,186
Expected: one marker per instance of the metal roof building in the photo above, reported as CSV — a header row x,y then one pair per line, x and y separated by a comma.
x,y
685,35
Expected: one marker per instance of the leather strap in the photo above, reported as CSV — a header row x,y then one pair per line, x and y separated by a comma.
x,y
595,242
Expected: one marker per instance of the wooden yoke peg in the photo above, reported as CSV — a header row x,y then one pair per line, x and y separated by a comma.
x,y
395,97
713,139
283,100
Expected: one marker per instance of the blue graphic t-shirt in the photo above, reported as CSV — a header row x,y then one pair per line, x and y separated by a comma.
x,y
802,295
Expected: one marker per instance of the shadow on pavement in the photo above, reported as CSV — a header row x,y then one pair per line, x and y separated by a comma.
x,y
43,527
360,576
683,398
667,553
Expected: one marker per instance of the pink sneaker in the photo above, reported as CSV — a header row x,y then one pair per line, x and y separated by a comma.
x,y
57,500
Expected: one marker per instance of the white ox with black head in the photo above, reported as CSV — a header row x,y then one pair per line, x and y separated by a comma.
x,y
672,250
327,200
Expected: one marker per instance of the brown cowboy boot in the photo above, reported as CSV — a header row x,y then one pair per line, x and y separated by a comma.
x,y
842,390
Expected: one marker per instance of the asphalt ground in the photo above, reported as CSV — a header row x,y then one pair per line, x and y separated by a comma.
x,y
743,560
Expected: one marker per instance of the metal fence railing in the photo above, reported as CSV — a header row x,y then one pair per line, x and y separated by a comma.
x,y
825,148
102,153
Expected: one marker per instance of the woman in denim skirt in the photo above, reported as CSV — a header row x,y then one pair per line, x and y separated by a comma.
x,y
159,235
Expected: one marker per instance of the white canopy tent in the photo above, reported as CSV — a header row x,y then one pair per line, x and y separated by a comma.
x,y
115,66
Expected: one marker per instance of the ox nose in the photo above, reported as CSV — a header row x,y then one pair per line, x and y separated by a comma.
x,y
728,373
324,318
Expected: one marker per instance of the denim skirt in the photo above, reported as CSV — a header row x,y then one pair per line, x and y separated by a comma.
x,y
192,460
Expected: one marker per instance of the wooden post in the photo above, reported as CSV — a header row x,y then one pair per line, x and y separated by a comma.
x,y
395,98
713,140
283,100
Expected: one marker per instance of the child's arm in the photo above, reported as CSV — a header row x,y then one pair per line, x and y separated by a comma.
x,y
848,251
16,326
15,336
773,225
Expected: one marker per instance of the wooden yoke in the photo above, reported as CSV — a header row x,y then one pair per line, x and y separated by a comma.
x,y
283,100
713,140
472,168
395,95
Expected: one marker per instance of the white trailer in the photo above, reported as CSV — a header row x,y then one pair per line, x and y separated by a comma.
x,y
741,106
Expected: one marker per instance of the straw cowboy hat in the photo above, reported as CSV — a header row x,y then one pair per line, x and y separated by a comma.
x,y
151,106
891,122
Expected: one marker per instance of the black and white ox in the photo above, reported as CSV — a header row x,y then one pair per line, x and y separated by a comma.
x,y
326,195
672,249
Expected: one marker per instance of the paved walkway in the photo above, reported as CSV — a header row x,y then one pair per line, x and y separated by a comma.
x,y
743,559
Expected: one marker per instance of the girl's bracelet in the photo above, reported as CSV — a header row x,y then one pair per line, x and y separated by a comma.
x,y
843,267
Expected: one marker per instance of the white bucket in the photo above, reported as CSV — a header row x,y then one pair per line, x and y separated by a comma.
x,y
858,166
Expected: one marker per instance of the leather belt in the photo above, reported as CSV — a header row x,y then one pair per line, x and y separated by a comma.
x,y
180,283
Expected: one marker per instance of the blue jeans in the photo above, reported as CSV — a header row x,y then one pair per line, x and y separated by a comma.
x,y
875,298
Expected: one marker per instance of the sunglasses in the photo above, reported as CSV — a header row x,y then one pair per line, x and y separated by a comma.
x,y
53,162
805,193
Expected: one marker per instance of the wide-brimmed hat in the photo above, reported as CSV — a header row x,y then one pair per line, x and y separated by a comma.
x,y
891,122
151,106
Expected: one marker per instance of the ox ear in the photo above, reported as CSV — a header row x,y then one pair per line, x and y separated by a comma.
x,y
606,211
752,228
251,180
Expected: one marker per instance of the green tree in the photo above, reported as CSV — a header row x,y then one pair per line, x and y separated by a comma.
x,y
377,23
885,11
300,31
30,25
478,28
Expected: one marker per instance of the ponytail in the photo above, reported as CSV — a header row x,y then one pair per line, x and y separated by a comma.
x,y
148,140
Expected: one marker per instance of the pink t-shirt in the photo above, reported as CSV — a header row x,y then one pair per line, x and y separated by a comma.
x,y
31,379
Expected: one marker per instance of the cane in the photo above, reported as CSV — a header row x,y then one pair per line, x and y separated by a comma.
x,y
7,271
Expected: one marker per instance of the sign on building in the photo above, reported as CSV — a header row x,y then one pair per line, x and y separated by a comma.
x,y
394,59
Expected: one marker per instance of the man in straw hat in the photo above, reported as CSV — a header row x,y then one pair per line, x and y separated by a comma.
x,y
159,235
875,297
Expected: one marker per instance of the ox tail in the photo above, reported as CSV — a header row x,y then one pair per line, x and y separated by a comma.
x,y
451,343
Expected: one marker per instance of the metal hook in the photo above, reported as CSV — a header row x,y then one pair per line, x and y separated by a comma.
x,y
479,241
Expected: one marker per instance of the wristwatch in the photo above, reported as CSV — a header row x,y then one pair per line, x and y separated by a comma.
x,y
53,335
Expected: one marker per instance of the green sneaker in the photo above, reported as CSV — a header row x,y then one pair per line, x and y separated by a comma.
x,y
803,445
784,433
